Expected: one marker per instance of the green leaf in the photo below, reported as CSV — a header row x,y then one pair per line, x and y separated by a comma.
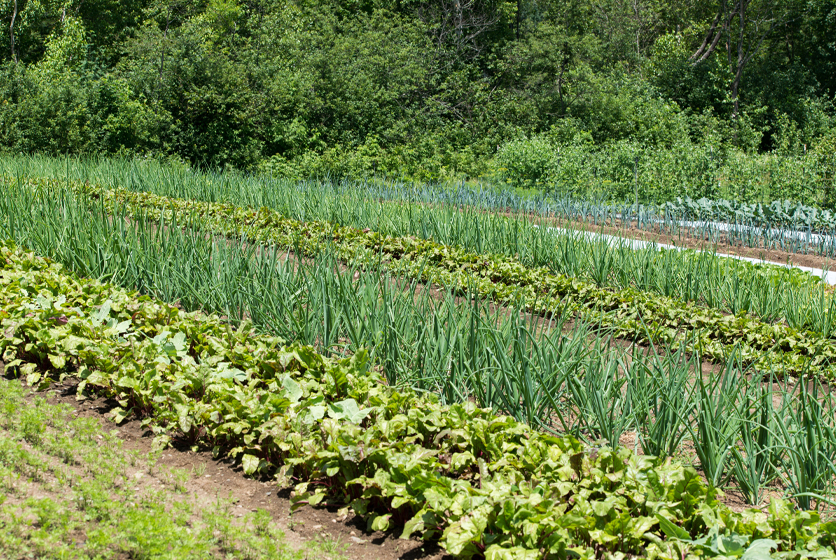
x,y
43,302
462,460
31,373
227,371
379,522
185,422
496,552
250,463
316,498
58,362
103,313
160,442
416,524
462,536
761,549
179,342
293,389
119,414
347,410
671,530
730,545
33,378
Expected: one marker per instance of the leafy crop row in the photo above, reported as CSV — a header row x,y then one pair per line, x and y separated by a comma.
x,y
773,293
180,182
741,428
483,485
630,312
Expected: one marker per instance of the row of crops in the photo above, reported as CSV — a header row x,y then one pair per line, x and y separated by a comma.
x,y
253,286
771,293
781,224
483,485
546,357
629,312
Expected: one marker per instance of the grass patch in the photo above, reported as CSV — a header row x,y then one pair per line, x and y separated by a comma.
x,y
68,489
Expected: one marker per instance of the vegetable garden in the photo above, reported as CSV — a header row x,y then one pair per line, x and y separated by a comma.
x,y
778,224
443,371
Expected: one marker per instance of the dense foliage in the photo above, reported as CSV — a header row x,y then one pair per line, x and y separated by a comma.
x,y
436,89
485,486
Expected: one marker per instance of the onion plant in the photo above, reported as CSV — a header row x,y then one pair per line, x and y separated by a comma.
x,y
716,424
603,404
663,398
808,436
755,461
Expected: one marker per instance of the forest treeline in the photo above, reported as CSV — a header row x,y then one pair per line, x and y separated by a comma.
x,y
427,89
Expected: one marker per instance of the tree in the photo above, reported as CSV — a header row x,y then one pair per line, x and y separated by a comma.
x,y
742,27
460,25
12,31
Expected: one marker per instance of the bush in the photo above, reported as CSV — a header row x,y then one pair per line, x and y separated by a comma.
x,y
528,163
613,171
